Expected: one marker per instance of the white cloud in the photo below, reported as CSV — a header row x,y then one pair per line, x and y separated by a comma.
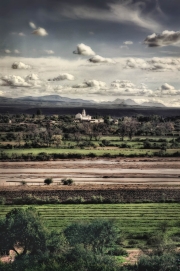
x,y
63,76
21,34
128,42
167,89
154,64
91,84
32,76
49,52
124,47
175,103
7,51
14,81
20,65
122,84
136,63
16,51
32,25
31,81
83,49
163,64
40,32
100,59
127,88
164,39
57,89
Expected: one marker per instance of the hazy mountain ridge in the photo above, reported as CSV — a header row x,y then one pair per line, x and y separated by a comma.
x,y
130,102
54,98
48,100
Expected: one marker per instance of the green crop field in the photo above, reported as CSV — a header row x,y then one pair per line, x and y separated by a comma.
x,y
135,219
83,151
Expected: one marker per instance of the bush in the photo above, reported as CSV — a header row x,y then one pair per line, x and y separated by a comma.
x,y
165,262
23,182
67,181
2,200
97,199
106,142
48,181
118,252
92,155
31,199
75,200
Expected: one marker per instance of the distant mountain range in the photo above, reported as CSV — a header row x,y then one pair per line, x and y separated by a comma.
x,y
54,98
130,102
57,100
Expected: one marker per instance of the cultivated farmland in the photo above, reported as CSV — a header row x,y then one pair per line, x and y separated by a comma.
x,y
134,219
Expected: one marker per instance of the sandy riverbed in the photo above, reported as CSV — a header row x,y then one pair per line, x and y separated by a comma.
x,y
130,172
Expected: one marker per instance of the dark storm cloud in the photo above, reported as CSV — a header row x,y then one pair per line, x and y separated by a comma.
x,y
164,39
10,8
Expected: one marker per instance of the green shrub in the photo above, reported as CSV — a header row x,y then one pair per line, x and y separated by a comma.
x,y
165,262
2,200
48,181
23,182
97,199
67,181
92,155
78,199
118,252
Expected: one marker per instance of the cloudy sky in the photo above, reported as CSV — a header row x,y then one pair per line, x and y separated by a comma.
x,y
101,50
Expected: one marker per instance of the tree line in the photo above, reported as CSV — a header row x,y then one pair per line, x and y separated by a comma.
x,y
47,131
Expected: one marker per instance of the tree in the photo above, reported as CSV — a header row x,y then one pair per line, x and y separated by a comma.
x,y
48,181
38,112
22,228
57,140
87,127
67,181
132,126
122,130
98,235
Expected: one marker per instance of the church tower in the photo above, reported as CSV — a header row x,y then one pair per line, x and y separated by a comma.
x,y
83,113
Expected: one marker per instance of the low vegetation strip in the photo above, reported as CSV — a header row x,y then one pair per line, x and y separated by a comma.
x,y
100,195
46,154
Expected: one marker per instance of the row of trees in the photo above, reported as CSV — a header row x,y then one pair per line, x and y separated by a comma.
x,y
130,127
48,135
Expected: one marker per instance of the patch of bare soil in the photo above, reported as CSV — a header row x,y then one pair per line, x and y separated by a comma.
x,y
133,255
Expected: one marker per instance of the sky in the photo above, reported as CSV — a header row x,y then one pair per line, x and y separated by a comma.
x,y
97,50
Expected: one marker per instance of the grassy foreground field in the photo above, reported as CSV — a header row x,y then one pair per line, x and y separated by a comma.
x,y
134,219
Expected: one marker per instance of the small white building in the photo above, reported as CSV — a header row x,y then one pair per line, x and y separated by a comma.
x,y
96,120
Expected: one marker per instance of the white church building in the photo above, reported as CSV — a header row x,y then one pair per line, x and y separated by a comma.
x,y
84,117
